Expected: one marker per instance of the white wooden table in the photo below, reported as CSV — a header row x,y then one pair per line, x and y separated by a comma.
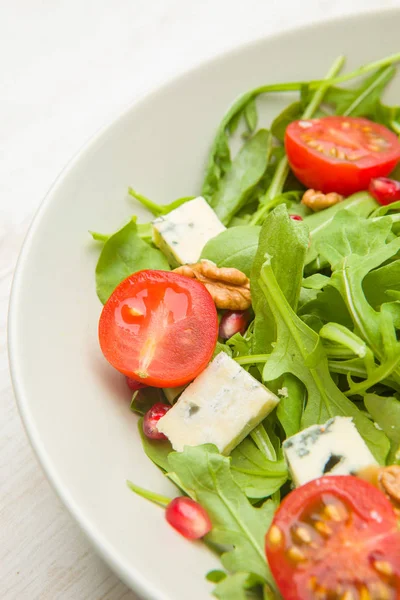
x,y
66,67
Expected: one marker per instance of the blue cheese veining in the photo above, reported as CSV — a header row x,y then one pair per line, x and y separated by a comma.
x,y
183,233
221,406
335,448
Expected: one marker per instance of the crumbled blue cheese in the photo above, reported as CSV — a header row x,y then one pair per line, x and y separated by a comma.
x,y
335,448
183,233
221,406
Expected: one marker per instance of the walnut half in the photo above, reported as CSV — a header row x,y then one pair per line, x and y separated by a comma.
x,y
229,287
318,201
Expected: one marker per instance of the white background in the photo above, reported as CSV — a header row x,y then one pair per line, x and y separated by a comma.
x,y
66,68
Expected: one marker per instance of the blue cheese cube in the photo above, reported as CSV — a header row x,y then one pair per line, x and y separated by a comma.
x,y
335,448
182,234
221,406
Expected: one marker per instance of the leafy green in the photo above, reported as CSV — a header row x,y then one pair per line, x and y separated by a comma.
x,y
236,587
157,450
158,209
379,283
354,247
291,405
362,101
125,253
257,476
386,412
236,523
144,399
152,496
245,172
289,114
319,223
299,351
286,241
234,247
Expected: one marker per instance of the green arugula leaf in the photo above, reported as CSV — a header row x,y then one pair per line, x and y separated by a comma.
x,y
386,412
293,112
251,116
125,253
158,209
247,169
286,241
237,587
290,408
157,450
319,223
379,284
234,247
144,399
362,101
354,247
236,523
257,476
299,351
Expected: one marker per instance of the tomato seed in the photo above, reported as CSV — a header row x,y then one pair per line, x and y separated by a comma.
x,y
275,535
303,535
295,554
333,513
383,567
348,595
364,593
323,528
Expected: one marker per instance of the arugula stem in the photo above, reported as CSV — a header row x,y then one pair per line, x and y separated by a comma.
x,y
338,352
99,237
282,170
263,443
156,498
357,370
381,372
254,359
154,208
334,332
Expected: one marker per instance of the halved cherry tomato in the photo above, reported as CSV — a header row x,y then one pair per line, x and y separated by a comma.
x,y
340,154
335,538
159,328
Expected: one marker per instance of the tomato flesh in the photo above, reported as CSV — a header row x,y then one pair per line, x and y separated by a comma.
x,y
159,328
340,154
335,538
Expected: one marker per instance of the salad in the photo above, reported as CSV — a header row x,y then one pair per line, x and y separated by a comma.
x,y
258,327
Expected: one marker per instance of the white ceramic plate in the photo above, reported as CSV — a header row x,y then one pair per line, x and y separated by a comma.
x,y
74,406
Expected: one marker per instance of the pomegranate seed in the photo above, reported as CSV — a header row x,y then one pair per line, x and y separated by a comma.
x,y
384,190
151,419
296,217
188,517
134,385
233,321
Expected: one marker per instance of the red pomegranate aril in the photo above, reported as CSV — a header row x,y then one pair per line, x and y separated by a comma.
x,y
188,518
233,321
296,217
134,385
151,419
384,190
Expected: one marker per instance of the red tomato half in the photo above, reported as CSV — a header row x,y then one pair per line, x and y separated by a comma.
x,y
159,328
335,538
340,154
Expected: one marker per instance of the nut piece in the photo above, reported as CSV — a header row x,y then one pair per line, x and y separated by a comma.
x,y
389,482
229,287
318,201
